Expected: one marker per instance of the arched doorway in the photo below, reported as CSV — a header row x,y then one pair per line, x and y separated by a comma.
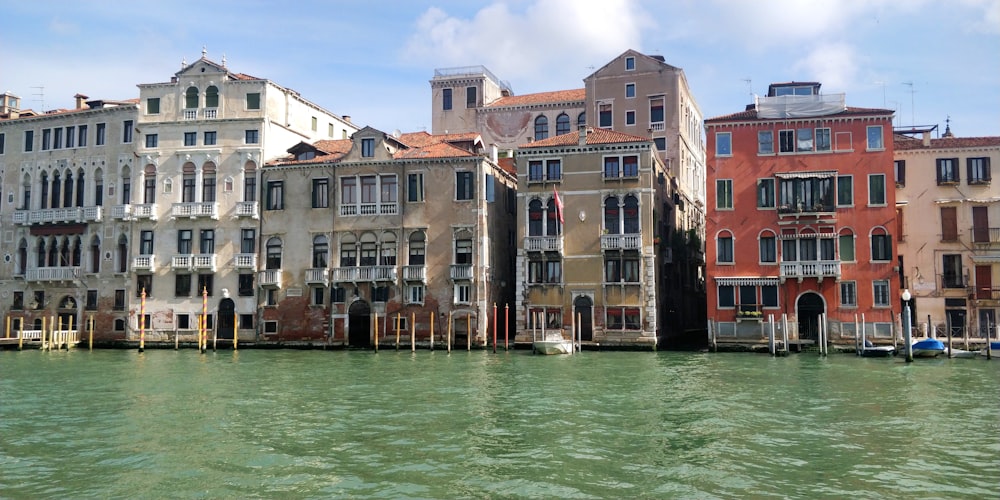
x,y
583,312
809,306
67,314
359,320
227,319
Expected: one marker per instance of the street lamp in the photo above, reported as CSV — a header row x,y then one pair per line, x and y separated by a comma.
x,y
906,325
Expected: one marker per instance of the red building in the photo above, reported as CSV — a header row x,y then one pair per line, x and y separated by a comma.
x,y
801,218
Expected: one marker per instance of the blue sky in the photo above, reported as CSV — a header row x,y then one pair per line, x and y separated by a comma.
x,y
373,59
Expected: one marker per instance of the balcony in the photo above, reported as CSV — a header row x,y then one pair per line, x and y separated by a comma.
x,y
461,272
194,210
50,274
193,262
621,241
246,209
245,261
210,113
364,274
369,209
143,263
58,215
190,114
818,210
270,278
656,126
811,269
988,293
414,273
543,243
318,276
950,280
144,211
985,235
121,212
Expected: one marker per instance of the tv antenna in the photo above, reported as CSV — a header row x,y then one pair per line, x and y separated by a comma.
x,y
40,97
913,119
749,86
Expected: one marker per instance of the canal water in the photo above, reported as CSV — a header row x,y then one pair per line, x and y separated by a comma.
x,y
316,424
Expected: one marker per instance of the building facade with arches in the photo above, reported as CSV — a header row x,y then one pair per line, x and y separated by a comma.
x,y
801,218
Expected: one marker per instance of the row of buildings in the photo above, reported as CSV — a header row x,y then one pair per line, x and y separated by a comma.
x,y
615,211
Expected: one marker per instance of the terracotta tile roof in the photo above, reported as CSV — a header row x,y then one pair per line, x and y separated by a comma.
x,y
327,151
508,164
243,76
907,143
558,96
751,114
437,150
594,136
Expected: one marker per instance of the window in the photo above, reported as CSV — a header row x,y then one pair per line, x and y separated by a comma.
x,y
206,241
881,246
272,257
245,285
630,118
367,147
727,296
446,99
765,193
562,124
338,295
723,144
470,97
82,136
880,293
205,284
846,244
70,136
320,251
724,250
899,172
845,191
535,171
629,63
17,303
321,193
253,100
191,98
190,138
329,130
414,294
541,128
947,171
465,187
604,115
101,134
415,187
275,195
623,318
418,246
251,137
803,140
212,97
822,139
146,242
151,140
315,124
184,239
248,240
463,293
91,303
127,128
786,141
724,194
876,189
317,296
977,170
463,251
629,90
182,285
765,142
29,139
952,275
769,296
545,269
875,137
57,138
768,249
144,283
848,293
119,303
621,267
210,138
805,194
3,138
46,139
553,170
153,106
949,224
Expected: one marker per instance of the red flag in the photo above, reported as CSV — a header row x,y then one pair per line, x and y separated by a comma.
x,y
559,205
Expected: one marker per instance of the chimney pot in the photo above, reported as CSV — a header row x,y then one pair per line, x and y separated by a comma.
x,y
927,139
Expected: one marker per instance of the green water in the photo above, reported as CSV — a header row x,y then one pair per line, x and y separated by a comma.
x,y
314,424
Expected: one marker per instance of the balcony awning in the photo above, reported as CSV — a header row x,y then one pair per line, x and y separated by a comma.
x,y
990,258
749,280
58,229
805,174
967,200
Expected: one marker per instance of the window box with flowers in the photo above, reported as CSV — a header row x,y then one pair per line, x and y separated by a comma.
x,y
749,316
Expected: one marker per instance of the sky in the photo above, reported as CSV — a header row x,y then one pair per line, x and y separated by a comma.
x,y
928,60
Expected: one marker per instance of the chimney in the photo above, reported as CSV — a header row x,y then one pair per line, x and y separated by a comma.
x,y
927,138
80,101
347,118
582,141
494,152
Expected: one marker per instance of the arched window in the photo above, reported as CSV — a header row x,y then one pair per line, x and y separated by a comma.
x,y
581,119
64,253
551,218
418,248
191,98
562,124
611,214
95,254
320,251
188,179
80,188
630,215
845,242
149,187
387,254
22,257
212,97
76,253
724,247
541,128
26,193
348,251
40,253
68,190
369,250
768,244
98,187
273,256
881,245
56,189
250,181
45,192
122,252
126,180
535,217
208,182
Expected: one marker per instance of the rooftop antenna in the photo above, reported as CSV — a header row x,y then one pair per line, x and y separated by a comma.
x,y
749,86
913,119
40,97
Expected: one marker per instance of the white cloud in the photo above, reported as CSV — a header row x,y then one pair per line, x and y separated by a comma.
x,y
548,41
63,28
834,65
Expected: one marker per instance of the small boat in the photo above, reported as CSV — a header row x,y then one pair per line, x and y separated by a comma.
x,y
877,351
927,348
553,343
960,353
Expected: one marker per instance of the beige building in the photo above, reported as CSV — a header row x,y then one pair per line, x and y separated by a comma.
x,y
948,210
64,249
201,139
413,229
589,252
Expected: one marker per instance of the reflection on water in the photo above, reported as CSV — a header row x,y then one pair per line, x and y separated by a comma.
x,y
297,424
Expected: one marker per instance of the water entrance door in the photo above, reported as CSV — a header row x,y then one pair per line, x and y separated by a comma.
x,y
359,319
226,321
810,306
582,312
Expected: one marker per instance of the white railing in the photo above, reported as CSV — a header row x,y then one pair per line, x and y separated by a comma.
x,y
245,261
369,209
211,113
415,273
121,212
348,210
621,241
656,126
318,275
52,274
190,114
19,217
194,210
143,263
388,209
543,243
181,261
270,277
203,261
364,273
58,215
246,209
811,269
461,271
144,211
